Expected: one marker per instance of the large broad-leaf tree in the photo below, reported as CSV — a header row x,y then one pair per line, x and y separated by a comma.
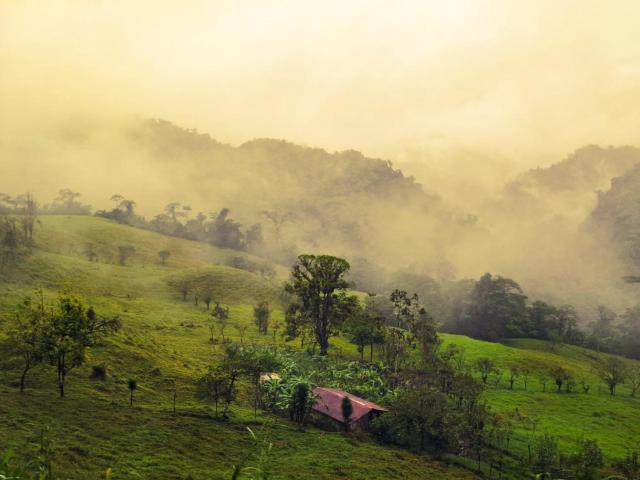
x,y
497,308
319,285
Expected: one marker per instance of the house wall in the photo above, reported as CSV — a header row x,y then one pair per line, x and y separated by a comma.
x,y
328,423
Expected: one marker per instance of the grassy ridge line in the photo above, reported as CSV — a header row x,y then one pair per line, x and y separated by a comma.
x,y
69,235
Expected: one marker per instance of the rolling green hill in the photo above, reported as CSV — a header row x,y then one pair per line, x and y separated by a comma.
x,y
164,342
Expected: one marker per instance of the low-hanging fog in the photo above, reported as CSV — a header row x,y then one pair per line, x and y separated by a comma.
x,y
475,99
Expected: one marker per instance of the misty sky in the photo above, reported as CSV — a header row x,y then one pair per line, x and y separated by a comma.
x,y
527,80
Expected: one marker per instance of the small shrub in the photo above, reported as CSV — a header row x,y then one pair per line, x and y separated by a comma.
x,y
98,372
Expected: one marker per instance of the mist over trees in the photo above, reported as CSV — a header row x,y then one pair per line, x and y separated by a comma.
x,y
277,200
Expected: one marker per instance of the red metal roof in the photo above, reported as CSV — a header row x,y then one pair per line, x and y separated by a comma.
x,y
330,403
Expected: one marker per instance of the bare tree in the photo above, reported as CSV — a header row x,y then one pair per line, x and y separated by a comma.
x,y
91,253
278,219
206,294
124,252
634,380
514,372
164,255
612,372
242,330
485,366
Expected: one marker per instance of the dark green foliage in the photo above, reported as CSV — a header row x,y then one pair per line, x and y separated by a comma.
x,y
347,410
424,416
497,307
630,465
300,402
261,314
69,329
587,460
98,372
560,376
132,385
59,334
9,469
546,453
213,386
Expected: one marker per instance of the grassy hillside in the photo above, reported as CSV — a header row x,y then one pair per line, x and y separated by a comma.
x,y
163,342
613,421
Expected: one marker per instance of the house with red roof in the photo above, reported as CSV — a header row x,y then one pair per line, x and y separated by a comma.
x,y
327,411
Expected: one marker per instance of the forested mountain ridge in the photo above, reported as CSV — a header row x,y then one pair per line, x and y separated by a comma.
x,y
307,198
569,187
617,216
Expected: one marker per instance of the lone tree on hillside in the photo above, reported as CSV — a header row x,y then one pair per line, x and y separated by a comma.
x,y
220,315
612,372
241,328
213,385
486,367
182,285
560,376
164,255
318,283
206,294
261,314
69,330
91,253
124,252
132,385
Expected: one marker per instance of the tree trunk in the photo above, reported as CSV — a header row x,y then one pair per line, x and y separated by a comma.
x,y
324,347
23,378
61,378
371,353
227,402
131,399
